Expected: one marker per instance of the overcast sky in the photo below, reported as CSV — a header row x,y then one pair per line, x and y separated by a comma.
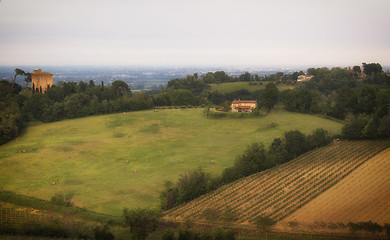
x,y
194,32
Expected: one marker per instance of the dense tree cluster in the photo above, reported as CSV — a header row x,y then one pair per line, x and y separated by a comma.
x,y
141,222
348,95
189,186
63,101
327,80
302,100
256,158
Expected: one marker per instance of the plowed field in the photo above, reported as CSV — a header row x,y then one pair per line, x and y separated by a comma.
x,y
364,195
284,190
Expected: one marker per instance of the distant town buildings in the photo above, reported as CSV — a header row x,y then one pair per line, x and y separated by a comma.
x,y
41,81
243,105
304,78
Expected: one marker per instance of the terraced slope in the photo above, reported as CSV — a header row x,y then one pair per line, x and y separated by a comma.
x,y
362,196
281,191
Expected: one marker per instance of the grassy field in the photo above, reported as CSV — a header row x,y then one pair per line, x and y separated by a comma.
x,y
87,157
234,86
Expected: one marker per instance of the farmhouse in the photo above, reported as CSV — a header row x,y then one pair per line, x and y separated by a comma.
x,y
41,81
243,105
304,78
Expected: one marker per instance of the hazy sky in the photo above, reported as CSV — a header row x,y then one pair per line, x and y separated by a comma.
x,y
194,32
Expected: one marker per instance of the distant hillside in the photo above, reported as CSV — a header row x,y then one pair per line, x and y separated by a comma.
x,y
283,190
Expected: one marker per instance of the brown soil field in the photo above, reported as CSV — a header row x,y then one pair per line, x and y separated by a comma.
x,y
363,195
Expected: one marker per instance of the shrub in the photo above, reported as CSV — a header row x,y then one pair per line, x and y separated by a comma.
x,y
103,233
264,222
61,200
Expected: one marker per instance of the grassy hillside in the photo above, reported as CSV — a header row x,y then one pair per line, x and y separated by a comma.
x,y
234,86
281,191
87,157
362,196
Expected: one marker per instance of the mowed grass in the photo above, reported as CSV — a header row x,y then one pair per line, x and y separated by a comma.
x,y
235,86
87,157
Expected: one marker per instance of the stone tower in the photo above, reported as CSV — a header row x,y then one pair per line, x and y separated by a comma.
x,y
41,81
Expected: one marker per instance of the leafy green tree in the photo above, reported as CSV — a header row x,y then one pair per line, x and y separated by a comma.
x,y
370,130
356,69
367,99
192,185
141,222
345,101
81,87
182,97
354,128
302,100
169,196
252,160
68,87
91,83
269,96
216,98
17,73
120,88
371,68
7,89
326,80
221,77
209,78
246,77
190,83
55,93
11,121
103,233
384,127
277,151
318,138
35,106
28,78
77,105
295,142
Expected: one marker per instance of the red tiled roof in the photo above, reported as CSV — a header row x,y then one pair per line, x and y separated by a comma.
x,y
243,101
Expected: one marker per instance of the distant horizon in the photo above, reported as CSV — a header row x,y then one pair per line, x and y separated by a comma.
x,y
191,65
196,33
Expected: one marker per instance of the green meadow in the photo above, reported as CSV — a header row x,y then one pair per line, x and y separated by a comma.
x,y
87,157
235,86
